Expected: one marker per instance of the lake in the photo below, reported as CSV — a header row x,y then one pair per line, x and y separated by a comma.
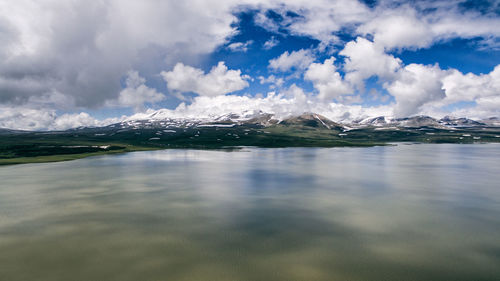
x,y
405,212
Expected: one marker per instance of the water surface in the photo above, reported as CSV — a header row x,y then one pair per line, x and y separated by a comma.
x,y
407,212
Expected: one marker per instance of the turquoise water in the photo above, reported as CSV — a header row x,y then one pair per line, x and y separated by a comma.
x,y
406,212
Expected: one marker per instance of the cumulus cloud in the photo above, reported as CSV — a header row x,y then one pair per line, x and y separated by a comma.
x,y
326,80
296,60
136,93
423,89
82,49
469,87
219,81
398,29
365,59
416,86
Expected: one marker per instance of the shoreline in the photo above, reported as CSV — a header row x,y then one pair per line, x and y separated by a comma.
x,y
69,157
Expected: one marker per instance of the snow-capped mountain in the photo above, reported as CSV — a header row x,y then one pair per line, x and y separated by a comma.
x,y
164,119
412,122
375,121
312,120
158,119
460,122
425,121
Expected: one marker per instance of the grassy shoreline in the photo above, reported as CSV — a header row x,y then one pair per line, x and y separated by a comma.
x,y
42,147
68,157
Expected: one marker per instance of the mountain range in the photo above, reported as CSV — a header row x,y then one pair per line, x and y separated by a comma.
x,y
159,131
162,118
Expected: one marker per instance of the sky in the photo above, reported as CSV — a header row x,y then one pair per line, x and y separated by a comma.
x,y
71,63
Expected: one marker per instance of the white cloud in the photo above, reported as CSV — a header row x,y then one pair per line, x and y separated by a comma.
x,y
240,46
407,26
319,19
416,86
398,29
273,80
25,118
82,119
296,60
420,89
393,24
47,119
469,87
82,49
219,81
365,59
327,80
451,24
136,93
271,43
491,103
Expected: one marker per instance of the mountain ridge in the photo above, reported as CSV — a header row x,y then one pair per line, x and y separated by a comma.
x,y
315,119
258,129
162,119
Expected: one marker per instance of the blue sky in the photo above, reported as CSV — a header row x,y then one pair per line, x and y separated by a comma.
x,y
462,54
72,64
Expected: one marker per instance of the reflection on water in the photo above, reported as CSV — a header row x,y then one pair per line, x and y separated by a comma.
x,y
408,212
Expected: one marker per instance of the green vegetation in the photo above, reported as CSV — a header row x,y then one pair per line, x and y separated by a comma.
x,y
33,147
